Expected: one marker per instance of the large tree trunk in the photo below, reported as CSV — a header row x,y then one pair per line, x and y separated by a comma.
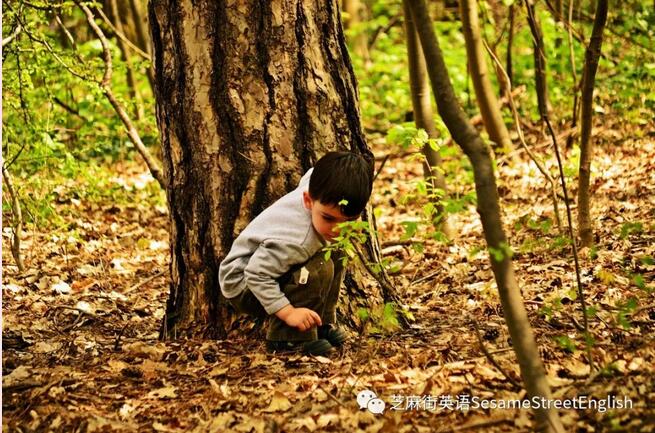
x,y
586,146
249,95
525,347
424,118
489,107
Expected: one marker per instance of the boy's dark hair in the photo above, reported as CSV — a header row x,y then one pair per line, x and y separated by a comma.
x,y
341,176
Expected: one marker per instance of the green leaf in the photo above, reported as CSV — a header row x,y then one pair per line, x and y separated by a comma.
x,y
565,343
630,228
410,229
638,281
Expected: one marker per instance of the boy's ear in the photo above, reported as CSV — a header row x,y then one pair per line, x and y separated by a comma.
x,y
307,200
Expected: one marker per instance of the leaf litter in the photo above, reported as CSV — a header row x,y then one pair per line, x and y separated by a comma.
x,y
80,327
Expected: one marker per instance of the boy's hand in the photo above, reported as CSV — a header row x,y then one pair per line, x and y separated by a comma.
x,y
301,318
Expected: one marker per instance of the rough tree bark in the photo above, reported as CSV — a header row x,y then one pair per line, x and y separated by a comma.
x,y
249,94
525,347
489,107
592,55
424,117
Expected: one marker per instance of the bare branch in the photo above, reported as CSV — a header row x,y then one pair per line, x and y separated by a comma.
x,y
519,130
47,46
581,296
105,84
12,36
490,356
120,35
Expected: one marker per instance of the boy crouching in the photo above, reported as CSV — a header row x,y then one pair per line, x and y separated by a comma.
x,y
276,266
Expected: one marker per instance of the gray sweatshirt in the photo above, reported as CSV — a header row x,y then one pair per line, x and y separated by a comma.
x,y
277,239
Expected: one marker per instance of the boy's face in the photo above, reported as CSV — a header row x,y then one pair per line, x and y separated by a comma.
x,y
325,217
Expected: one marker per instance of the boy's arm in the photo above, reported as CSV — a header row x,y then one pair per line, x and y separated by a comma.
x,y
301,318
271,260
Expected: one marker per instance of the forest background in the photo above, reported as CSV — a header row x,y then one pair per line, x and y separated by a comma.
x,y
86,234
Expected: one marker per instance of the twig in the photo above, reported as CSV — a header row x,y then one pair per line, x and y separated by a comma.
x,y
17,229
118,337
141,283
644,308
519,130
394,242
20,386
359,376
105,85
477,119
120,35
395,155
131,81
573,245
388,291
329,394
48,47
66,107
490,357
69,36
426,277
12,36
610,29
47,7
392,22
384,161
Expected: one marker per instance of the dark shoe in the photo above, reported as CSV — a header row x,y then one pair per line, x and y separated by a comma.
x,y
316,347
331,333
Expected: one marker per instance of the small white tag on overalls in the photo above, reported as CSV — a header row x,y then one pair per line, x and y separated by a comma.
x,y
304,275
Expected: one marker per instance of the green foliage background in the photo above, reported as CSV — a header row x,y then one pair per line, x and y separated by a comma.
x,y
58,128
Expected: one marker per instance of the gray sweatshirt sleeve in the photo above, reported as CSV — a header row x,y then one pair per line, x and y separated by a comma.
x,y
270,261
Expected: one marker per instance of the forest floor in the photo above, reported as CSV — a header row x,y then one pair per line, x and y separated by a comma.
x,y
80,327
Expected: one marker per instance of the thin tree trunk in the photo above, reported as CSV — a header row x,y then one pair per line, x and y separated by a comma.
x,y
489,108
532,369
105,85
131,81
574,121
539,59
592,55
424,118
143,38
17,229
510,40
559,15
360,42
248,98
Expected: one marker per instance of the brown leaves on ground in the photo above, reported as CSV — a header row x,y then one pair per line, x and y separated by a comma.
x,y
80,326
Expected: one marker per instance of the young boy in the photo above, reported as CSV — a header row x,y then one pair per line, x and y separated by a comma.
x,y
276,265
